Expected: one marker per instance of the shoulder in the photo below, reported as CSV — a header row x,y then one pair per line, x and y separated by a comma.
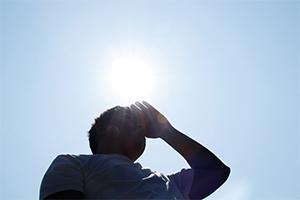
x,y
63,157
70,159
183,181
61,160
183,175
64,173
67,163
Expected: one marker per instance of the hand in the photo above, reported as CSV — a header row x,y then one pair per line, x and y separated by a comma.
x,y
153,122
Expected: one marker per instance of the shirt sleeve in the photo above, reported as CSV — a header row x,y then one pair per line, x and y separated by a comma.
x,y
183,180
64,173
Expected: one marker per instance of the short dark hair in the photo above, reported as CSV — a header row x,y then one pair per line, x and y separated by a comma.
x,y
108,117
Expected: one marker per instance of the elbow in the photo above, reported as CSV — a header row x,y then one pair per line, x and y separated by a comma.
x,y
225,173
204,185
222,175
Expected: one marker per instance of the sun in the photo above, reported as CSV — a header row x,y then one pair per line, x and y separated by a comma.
x,y
131,78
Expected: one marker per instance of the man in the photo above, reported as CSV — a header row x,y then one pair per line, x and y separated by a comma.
x,y
117,139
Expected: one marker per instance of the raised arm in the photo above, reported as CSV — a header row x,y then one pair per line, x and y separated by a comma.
x,y
209,171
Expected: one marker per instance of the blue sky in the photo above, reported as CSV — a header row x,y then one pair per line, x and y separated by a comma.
x,y
226,73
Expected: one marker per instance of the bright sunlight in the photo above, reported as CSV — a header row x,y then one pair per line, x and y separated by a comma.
x,y
131,78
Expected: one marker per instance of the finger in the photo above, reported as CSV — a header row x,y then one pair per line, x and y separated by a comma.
x,y
160,118
149,106
135,109
138,113
145,110
141,106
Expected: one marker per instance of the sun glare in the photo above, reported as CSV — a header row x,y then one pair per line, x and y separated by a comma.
x,y
131,78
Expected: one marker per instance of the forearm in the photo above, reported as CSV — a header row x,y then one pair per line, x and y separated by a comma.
x,y
194,153
209,172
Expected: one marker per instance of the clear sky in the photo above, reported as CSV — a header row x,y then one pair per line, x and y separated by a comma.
x,y
226,73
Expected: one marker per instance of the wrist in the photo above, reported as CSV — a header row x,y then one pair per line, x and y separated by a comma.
x,y
167,133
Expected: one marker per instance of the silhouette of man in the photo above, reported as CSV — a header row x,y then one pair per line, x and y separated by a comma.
x,y
117,139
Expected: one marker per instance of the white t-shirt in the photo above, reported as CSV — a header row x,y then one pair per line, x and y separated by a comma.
x,y
112,177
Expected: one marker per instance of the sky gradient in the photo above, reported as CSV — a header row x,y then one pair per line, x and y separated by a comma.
x,y
226,74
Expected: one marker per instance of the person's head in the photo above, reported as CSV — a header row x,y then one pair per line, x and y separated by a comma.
x,y
117,131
